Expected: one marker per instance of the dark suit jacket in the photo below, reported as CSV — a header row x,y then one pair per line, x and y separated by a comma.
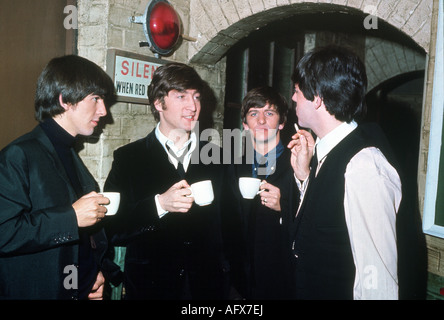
x,y
258,239
162,252
38,226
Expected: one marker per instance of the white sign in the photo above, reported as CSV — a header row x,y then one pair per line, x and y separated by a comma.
x,y
132,75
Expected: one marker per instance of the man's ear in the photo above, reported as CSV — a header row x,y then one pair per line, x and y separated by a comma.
x,y
318,102
158,105
64,105
246,127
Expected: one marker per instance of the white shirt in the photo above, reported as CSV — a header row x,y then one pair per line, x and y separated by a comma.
x,y
164,141
371,201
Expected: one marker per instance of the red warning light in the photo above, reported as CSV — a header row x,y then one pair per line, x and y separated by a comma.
x,y
164,25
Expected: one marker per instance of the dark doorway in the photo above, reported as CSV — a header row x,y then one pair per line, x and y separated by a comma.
x,y
396,105
262,59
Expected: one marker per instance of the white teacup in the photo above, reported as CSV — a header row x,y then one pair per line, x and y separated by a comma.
x,y
249,187
114,201
202,192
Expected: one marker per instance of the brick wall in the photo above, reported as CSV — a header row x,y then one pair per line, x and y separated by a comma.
x,y
217,25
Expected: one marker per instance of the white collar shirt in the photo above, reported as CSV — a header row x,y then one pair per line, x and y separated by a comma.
x,y
164,141
189,145
372,197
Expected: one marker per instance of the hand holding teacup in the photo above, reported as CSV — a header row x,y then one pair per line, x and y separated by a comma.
x,y
180,197
202,192
249,187
271,196
176,199
89,209
114,201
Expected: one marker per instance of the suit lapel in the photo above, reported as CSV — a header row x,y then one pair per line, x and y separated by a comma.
x,y
155,155
87,181
281,167
152,154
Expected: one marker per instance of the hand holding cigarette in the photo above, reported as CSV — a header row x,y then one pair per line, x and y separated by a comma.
x,y
301,146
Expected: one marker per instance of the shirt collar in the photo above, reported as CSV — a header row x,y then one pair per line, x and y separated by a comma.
x,y
164,141
273,154
268,160
327,143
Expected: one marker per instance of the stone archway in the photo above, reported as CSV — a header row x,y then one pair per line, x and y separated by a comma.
x,y
399,45
219,24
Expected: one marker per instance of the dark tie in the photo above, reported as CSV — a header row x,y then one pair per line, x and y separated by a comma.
x,y
180,169
314,164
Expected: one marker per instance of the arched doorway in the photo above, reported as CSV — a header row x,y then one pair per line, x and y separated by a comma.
x,y
396,104
268,55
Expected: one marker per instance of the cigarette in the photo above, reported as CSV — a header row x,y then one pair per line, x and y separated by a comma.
x,y
296,127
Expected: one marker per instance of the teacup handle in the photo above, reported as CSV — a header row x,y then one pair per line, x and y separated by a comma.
x,y
191,194
260,191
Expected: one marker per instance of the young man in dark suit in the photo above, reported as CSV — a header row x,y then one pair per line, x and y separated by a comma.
x,y
51,245
257,230
173,246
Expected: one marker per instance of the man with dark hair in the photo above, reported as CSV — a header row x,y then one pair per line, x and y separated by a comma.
x,y
51,245
257,229
345,241
173,246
